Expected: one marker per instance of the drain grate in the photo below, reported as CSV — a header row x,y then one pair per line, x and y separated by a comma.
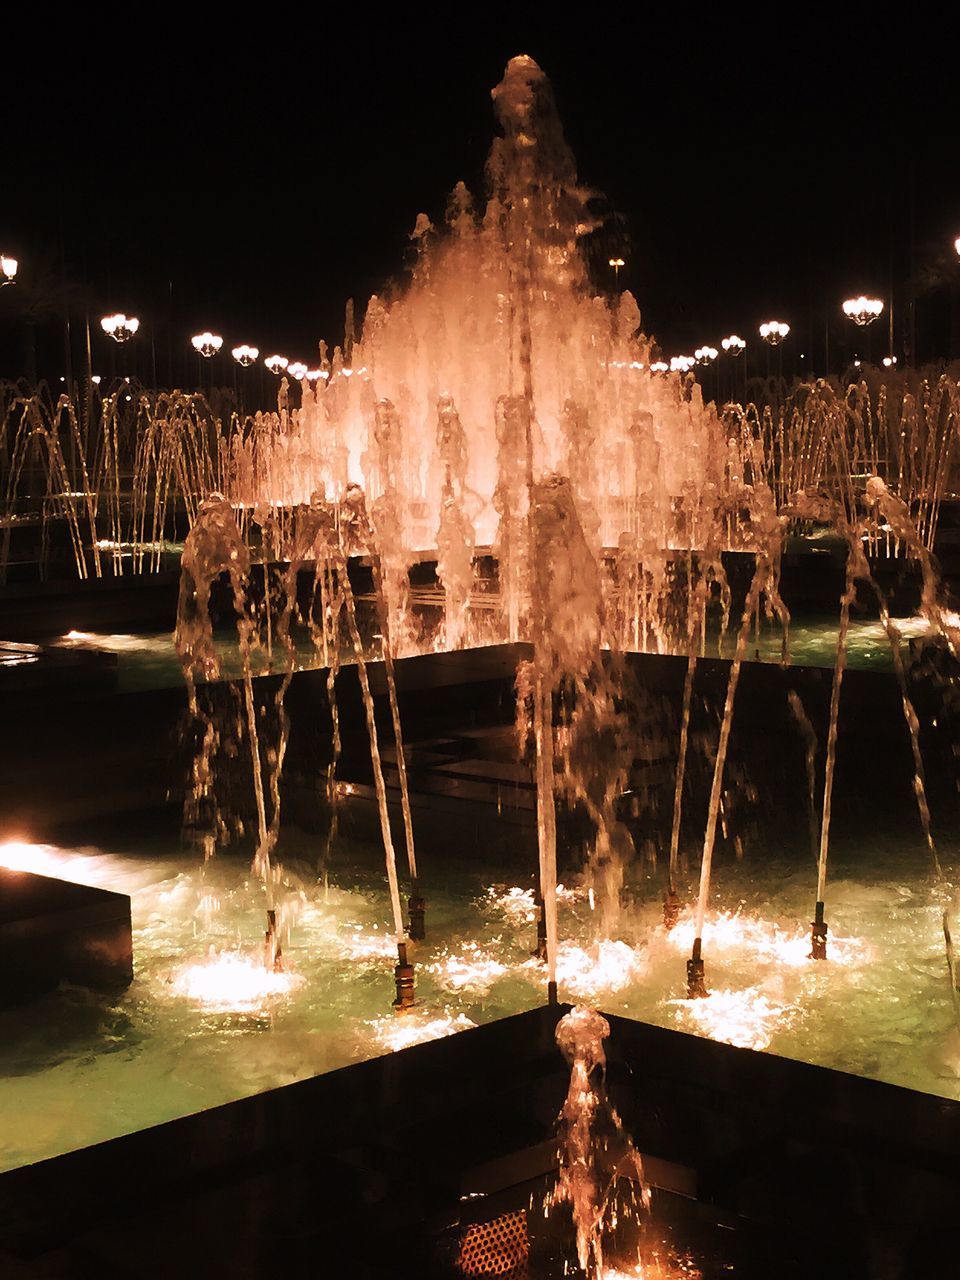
x,y
496,1248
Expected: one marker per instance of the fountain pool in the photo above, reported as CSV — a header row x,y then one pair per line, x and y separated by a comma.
x,y
148,659
202,1025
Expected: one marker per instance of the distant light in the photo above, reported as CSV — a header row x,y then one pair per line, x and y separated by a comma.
x,y
314,374
297,369
956,245
617,263
119,327
245,355
862,310
889,361
96,379
774,332
8,267
733,345
206,344
276,364
659,366
856,364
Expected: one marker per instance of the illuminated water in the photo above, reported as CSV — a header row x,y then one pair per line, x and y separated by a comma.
x,y
77,1068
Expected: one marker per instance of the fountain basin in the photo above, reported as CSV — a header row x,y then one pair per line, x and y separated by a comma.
x,y
787,1169
53,931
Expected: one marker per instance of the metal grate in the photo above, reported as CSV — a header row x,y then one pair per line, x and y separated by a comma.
x,y
496,1248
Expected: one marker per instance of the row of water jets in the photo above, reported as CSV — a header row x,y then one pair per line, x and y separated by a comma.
x,y
120,479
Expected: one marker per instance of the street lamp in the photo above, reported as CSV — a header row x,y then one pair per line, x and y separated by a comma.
x,y
276,364
297,369
119,327
244,355
681,364
773,332
206,344
659,366
956,245
733,345
862,310
616,263
705,355
889,362
314,375
8,269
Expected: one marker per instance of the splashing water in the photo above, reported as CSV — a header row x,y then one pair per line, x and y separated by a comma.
x,y
233,981
417,1028
746,1019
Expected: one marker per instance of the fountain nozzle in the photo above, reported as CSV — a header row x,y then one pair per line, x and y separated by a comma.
x,y
403,976
696,981
272,952
818,935
671,909
540,953
417,907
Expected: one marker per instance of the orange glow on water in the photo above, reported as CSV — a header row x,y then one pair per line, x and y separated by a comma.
x,y
232,982
746,1019
393,1032
729,930
470,969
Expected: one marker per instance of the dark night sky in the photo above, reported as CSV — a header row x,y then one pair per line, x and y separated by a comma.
x,y
758,161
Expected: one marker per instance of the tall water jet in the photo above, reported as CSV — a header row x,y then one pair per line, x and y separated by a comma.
x,y
768,531
215,547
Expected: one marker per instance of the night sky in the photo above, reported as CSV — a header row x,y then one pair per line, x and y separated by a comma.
x,y
250,173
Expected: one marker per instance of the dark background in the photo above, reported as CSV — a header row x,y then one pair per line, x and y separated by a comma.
x,y
248,171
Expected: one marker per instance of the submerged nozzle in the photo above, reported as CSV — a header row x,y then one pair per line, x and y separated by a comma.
x,y
540,953
671,909
417,907
696,982
272,953
403,976
818,935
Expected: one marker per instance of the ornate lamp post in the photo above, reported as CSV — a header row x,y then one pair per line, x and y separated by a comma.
x,y
773,332
245,355
862,311
206,344
119,327
616,263
733,346
297,370
276,364
8,269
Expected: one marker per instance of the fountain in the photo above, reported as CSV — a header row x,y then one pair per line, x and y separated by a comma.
x,y
493,458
